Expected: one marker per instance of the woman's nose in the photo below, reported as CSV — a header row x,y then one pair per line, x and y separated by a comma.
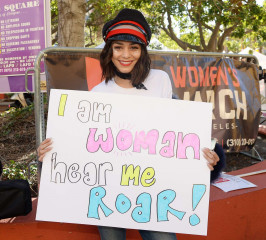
x,y
125,53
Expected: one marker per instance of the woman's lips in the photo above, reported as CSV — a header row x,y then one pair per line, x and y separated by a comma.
x,y
125,63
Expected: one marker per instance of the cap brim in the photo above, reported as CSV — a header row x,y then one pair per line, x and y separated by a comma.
x,y
127,38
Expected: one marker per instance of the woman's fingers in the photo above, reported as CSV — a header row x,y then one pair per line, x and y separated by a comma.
x,y
211,157
210,166
44,147
43,151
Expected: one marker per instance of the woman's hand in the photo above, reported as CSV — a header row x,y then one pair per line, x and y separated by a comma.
x,y
44,147
211,157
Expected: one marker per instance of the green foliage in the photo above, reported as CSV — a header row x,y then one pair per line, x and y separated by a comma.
x,y
168,42
189,23
233,45
252,40
17,142
193,38
98,12
19,170
198,21
14,115
54,20
54,9
155,46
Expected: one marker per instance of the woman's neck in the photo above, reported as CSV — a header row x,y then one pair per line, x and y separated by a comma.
x,y
125,83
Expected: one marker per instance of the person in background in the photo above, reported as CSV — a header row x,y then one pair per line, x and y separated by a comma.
x,y
125,65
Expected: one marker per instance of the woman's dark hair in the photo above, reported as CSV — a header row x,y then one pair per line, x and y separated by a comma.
x,y
139,72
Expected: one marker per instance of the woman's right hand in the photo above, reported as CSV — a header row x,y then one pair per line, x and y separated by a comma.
x,y
44,147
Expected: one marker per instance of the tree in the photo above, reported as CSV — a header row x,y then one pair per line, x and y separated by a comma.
x,y
251,40
98,12
203,25
54,21
213,21
77,23
71,19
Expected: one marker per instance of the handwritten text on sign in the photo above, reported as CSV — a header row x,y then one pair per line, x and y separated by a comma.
x,y
126,161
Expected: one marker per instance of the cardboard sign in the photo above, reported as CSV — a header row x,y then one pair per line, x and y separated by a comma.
x,y
126,161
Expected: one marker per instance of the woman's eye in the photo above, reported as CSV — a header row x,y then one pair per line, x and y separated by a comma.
x,y
117,47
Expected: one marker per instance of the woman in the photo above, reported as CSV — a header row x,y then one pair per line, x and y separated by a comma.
x,y
126,69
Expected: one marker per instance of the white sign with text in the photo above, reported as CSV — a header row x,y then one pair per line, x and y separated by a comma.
x,y
126,161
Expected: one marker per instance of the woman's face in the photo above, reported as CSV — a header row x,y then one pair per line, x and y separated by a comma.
x,y
125,55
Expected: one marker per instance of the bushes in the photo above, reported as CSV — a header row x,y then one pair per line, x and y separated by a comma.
x,y
18,145
21,170
12,117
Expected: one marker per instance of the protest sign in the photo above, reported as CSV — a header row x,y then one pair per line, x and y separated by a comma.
x,y
126,161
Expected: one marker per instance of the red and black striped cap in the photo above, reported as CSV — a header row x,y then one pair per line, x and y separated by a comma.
x,y
128,25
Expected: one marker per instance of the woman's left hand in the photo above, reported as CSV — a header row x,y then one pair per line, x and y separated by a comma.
x,y
211,157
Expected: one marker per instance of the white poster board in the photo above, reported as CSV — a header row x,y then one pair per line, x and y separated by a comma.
x,y
126,161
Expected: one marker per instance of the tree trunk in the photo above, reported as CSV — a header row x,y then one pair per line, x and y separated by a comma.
x,y
71,21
